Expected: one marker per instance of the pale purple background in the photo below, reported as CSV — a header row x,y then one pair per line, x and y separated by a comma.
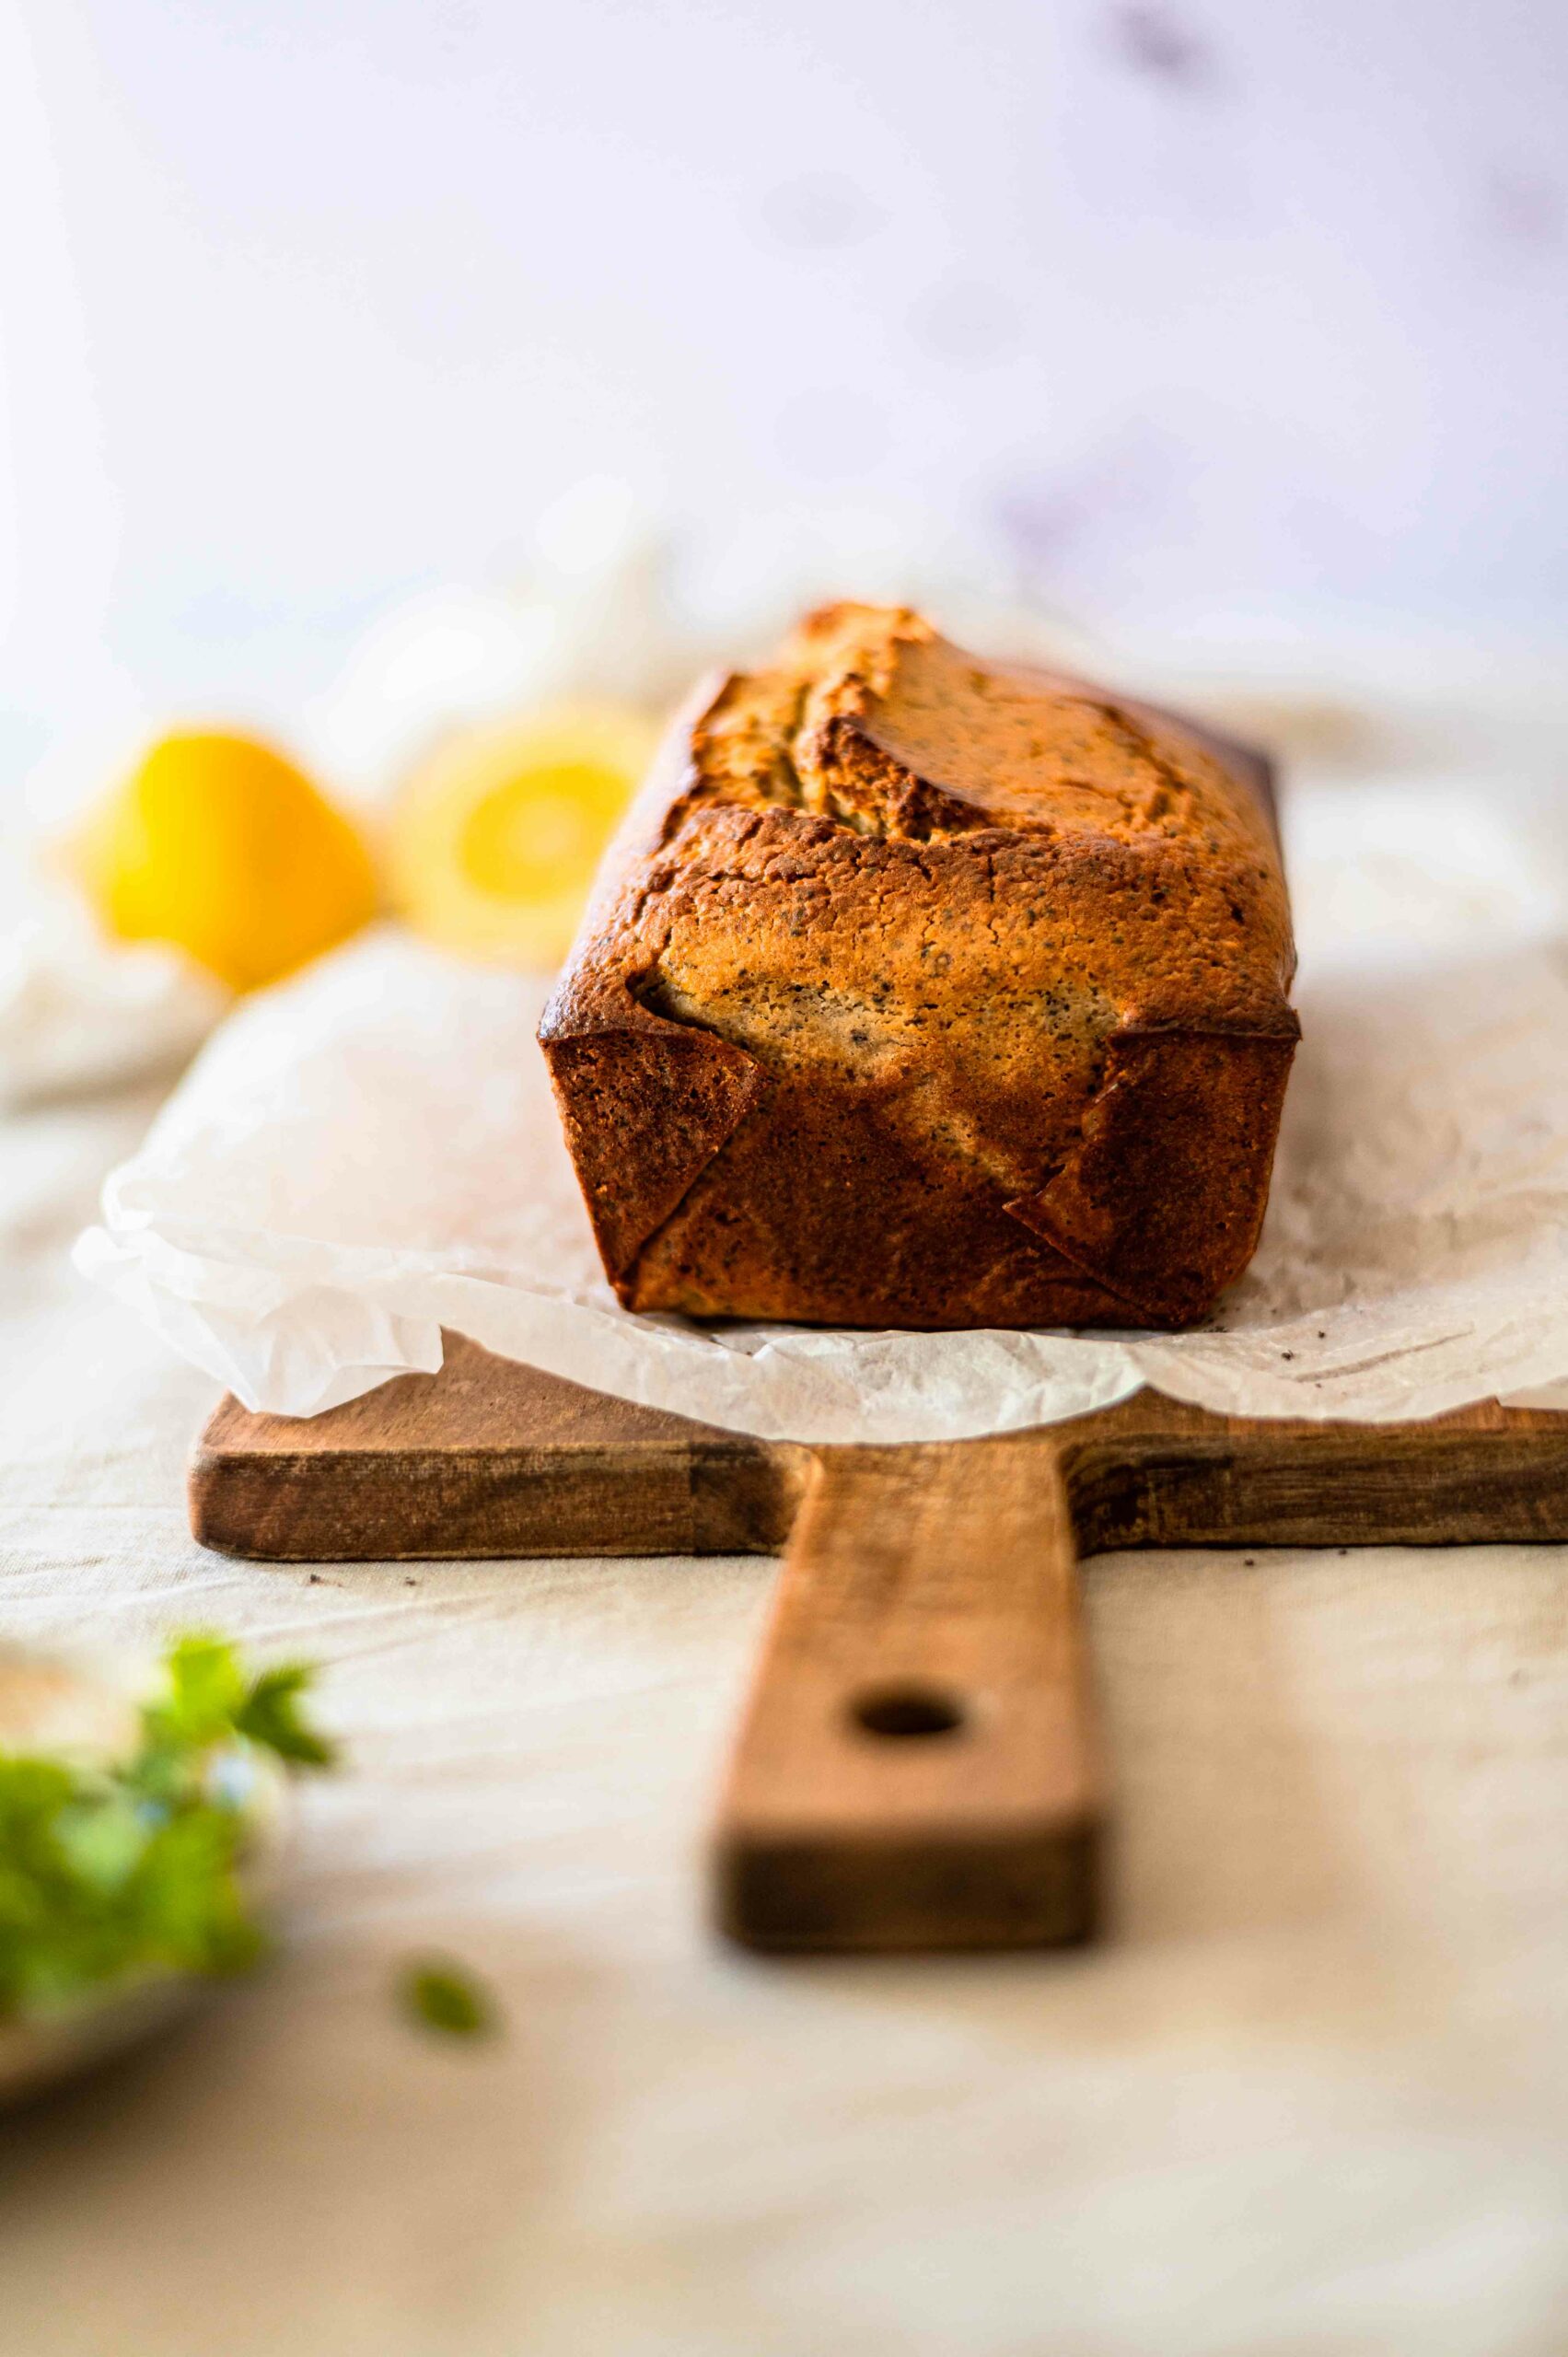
x,y
1174,313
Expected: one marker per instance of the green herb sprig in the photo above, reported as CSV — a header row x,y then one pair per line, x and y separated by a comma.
x,y
442,1995
115,1873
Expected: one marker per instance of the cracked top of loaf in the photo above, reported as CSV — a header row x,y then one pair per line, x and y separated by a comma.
x,y
870,719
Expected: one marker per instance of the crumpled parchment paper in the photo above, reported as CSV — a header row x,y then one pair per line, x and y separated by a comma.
x,y
370,1152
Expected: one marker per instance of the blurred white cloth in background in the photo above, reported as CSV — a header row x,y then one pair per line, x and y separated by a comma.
x,y
78,1011
589,616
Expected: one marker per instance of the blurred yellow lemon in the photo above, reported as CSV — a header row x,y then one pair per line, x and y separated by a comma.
x,y
220,845
494,843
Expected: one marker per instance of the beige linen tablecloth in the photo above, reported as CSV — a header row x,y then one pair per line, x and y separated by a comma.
x,y
1311,2095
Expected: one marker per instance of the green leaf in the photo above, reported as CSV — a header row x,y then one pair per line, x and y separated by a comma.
x,y
205,1691
116,1872
104,1838
444,1996
32,1791
270,1715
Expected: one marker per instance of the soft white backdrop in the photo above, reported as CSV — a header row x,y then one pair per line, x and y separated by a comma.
x,y
1188,315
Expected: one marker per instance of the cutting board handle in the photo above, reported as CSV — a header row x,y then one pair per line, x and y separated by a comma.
x,y
917,1765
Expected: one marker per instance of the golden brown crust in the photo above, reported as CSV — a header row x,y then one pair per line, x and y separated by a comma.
x,y
920,992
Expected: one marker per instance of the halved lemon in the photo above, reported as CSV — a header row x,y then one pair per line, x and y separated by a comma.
x,y
493,844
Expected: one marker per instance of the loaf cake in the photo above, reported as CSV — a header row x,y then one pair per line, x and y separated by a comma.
x,y
920,991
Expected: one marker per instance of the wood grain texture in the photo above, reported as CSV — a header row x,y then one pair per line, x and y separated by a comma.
x,y
921,1582
486,1458
916,1767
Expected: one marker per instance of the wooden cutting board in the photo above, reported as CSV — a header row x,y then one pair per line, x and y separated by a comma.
x,y
917,1765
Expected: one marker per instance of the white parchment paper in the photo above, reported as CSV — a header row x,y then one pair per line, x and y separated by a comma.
x,y
370,1152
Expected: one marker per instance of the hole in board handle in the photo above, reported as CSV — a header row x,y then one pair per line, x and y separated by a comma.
x,y
907,1710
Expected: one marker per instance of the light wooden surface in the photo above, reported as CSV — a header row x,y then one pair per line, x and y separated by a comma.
x,y
486,1458
916,1767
